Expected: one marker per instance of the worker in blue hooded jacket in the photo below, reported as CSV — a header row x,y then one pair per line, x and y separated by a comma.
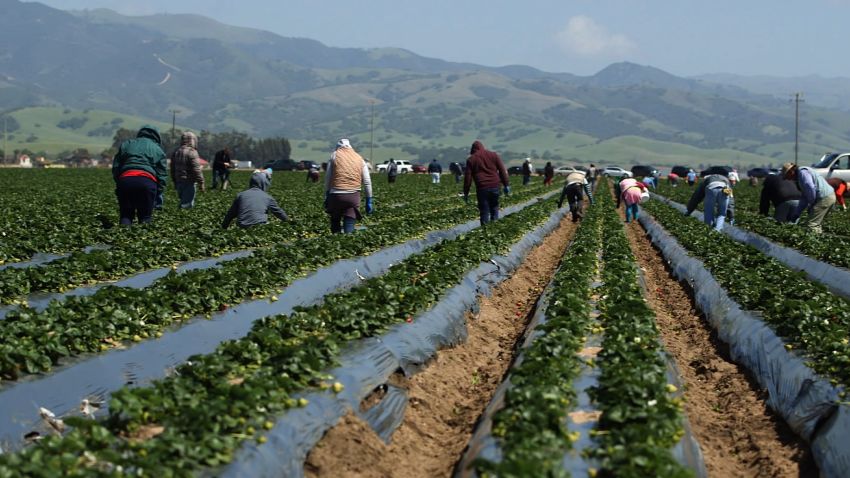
x,y
140,173
251,207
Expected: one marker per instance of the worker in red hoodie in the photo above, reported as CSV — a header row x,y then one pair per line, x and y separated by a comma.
x,y
840,187
488,171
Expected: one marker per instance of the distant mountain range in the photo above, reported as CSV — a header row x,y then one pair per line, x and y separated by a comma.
x,y
222,77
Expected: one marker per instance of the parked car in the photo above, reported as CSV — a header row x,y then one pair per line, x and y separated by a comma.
x,y
758,173
834,165
282,165
681,171
402,165
644,171
564,170
515,170
724,170
419,168
616,172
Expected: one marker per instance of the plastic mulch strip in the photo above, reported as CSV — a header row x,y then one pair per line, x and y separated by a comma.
x,y
808,402
369,363
93,377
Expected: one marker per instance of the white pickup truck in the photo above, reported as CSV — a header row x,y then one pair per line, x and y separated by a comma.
x,y
834,165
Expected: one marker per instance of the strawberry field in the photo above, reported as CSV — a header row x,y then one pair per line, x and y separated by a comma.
x,y
182,349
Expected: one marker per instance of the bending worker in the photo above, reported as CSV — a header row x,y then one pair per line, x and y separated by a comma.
x,y
576,183
717,192
818,197
251,207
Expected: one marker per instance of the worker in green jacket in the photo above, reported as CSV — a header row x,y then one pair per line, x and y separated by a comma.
x,y
139,170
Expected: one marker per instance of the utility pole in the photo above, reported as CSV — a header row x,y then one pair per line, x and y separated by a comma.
x,y
372,134
797,101
5,139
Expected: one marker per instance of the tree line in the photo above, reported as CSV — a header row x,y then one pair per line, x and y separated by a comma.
x,y
242,146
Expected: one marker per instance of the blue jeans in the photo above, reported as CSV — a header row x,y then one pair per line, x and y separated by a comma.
x,y
488,204
631,212
716,203
186,193
221,176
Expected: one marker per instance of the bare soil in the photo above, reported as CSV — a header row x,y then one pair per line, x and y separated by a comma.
x,y
738,434
448,396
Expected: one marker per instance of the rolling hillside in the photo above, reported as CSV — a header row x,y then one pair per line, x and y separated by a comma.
x,y
221,77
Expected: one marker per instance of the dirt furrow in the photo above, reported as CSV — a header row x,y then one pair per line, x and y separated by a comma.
x,y
448,396
738,434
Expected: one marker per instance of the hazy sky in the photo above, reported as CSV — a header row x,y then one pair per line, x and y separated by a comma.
x,y
683,37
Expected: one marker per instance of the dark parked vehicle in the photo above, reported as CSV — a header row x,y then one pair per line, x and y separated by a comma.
x,y
758,173
644,171
282,165
515,170
724,170
680,171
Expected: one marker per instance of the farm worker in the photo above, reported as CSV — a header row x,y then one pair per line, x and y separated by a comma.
x,y
783,194
575,184
631,191
818,197
592,174
392,171
221,168
548,174
649,181
840,187
139,171
436,170
692,177
251,206
347,174
717,192
527,169
673,179
313,174
733,177
486,168
457,170
186,169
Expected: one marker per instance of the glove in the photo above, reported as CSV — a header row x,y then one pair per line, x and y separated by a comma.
x,y
688,213
507,190
466,198
369,206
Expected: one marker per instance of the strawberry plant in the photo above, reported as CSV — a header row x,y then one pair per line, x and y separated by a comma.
x,y
197,417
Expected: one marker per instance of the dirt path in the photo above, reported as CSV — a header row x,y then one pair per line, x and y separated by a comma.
x,y
738,434
448,396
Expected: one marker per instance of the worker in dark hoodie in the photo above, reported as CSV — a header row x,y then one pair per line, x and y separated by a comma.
x,y
139,170
251,207
488,171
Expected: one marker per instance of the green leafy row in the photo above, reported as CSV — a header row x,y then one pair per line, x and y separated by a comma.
x,y
806,314
32,342
640,422
179,235
199,416
531,428
830,247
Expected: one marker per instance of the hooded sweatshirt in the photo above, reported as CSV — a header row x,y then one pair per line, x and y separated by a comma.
x,y
142,154
185,161
251,207
485,168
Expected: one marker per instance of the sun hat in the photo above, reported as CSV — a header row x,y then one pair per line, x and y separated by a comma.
x,y
787,168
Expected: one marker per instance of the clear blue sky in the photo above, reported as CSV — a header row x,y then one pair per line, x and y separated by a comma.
x,y
683,37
